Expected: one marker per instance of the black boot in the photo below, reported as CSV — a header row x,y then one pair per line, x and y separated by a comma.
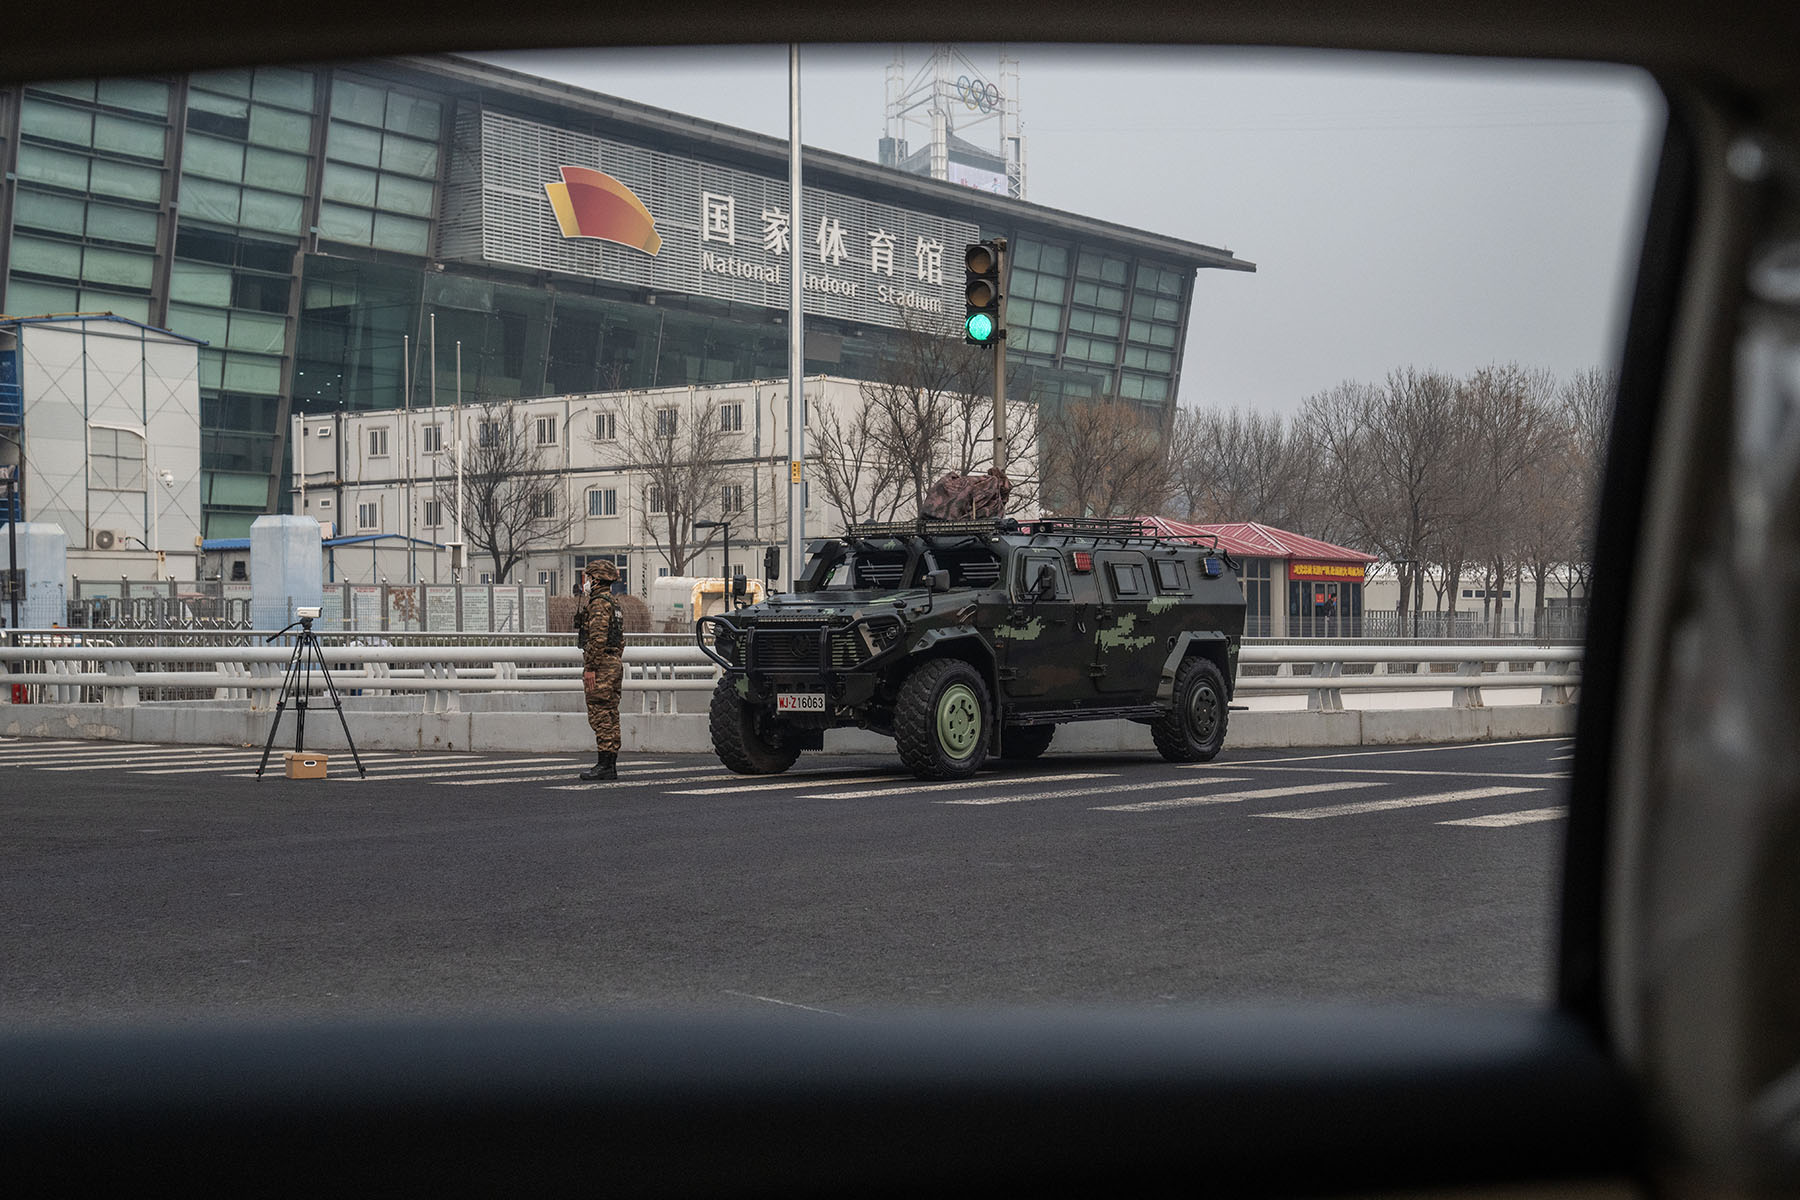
x,y
605,767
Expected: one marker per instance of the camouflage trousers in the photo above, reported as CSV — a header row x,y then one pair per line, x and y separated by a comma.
x,y
603,703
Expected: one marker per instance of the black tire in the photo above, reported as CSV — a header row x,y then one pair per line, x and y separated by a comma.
x,y
941,720
1194,731
740,737
1024,742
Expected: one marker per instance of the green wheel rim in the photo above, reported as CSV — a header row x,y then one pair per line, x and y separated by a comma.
x,y
1203,711
959,720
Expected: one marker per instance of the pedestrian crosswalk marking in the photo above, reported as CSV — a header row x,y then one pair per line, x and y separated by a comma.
x,y
1384,751
1067,793
776,782
1529,816
936,786
114,753
1266,767
1370,806
1273,793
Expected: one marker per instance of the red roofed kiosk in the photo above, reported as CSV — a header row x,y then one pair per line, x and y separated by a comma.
x,y
1323,582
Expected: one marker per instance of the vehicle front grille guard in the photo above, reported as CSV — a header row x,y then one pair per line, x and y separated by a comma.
x,y
837,648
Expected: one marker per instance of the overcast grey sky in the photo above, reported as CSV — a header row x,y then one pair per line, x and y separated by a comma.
x,y
1425,212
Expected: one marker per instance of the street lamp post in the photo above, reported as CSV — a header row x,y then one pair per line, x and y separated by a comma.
x,y
729,581
10,476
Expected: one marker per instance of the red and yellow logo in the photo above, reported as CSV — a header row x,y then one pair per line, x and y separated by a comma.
x,y
592,204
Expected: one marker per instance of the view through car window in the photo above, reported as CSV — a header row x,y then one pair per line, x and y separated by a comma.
x,y
1153,573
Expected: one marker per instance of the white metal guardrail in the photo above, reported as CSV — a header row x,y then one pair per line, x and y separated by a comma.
x,y
69,667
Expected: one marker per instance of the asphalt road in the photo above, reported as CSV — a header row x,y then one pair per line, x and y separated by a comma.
x,y
153,884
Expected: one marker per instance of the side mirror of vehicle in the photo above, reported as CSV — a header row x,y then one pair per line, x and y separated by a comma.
x,y
939,580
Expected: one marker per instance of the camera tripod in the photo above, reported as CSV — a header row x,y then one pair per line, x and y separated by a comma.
x,y
307,654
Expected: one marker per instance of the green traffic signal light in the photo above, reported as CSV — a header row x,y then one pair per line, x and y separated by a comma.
x,y
981,289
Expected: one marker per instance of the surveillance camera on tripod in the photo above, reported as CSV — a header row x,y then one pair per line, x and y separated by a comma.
x,y
297,685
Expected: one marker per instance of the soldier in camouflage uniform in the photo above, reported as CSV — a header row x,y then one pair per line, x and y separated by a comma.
x,y
600,629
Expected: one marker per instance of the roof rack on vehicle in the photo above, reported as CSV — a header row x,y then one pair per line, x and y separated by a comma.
x,y
930,527
1124,530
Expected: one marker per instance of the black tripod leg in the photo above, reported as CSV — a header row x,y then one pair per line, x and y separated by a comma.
x,y
331,690
287,687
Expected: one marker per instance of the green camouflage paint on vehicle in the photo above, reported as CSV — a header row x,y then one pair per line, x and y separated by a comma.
x,y
1041,622
1119,636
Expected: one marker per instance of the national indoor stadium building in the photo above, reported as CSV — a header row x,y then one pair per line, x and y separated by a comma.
x,y
312,226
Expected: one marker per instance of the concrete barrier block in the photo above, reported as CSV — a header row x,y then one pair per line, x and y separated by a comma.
x,y
857,741
91,721
1521,721
660,733
1282,730
535,732
1101,737
221,726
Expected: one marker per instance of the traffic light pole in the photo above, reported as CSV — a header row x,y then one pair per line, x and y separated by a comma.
x,y
1000,371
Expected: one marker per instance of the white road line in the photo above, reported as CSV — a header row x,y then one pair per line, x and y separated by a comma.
x,y
114,756
1351,810
1505,820
787,1004
1234,797
776,783
152,766
447,770
963,785
1400,771
493,767
113,751
498,775
275,761
407,766
1066,793
1383,750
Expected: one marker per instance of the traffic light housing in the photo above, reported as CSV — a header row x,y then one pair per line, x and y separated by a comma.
x,y
981,291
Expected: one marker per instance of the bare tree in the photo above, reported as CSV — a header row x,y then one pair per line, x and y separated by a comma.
x,y
1588,400
1510,427
969,444
1107,458
511,497
846,458
681,452
1238,466
1392,454
914,403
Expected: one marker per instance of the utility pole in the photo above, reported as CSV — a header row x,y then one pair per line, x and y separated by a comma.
x,y
796,530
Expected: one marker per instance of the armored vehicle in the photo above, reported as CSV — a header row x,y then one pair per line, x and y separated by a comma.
x,y
964,639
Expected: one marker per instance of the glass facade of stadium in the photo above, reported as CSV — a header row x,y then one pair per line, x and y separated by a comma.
x,y
319,229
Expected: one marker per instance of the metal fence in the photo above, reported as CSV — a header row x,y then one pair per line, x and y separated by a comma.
x,y
73,667
1552,625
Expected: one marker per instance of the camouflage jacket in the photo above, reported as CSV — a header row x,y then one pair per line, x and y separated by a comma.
x,y
605,625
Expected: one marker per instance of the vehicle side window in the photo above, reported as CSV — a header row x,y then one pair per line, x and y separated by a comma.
x,y
1128,582
1025,578
1171,576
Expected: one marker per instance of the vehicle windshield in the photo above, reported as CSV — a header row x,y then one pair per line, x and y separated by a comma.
x,y
422,341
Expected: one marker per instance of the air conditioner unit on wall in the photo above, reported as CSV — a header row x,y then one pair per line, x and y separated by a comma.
x,y
111,539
